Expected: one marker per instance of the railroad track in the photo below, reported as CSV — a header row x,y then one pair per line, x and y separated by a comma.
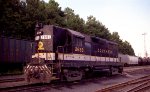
x,y
31,88
132,69
141,84
141,88
42,87
12,80
136,85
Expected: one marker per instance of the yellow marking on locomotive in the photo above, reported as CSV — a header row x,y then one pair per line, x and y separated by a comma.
x,y
78,49
40,46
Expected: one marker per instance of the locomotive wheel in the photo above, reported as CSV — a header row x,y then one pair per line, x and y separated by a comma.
x,y
113,71
73,75
120,70
88,73
109,72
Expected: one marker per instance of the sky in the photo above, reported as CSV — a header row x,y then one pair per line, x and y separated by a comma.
x,y
130,18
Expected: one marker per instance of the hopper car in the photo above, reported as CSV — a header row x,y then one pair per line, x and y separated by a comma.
x,y
14,53
128,60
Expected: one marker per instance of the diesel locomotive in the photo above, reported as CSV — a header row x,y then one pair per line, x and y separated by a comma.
x,y
69,55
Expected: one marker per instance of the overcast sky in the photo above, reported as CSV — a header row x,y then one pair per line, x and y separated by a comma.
x,y
130,18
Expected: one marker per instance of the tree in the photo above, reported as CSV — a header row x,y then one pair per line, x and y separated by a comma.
x,y
11,18
73,21
34,12
95,28
18,19
115,37
124,46
55,15
127,48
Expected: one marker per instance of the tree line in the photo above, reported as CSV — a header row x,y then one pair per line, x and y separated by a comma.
x,y
18,19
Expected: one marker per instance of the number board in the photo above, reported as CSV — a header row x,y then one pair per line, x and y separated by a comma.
x,y
45,36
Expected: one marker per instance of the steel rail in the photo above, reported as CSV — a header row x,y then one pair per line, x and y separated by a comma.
x,y
125,84
12,80
141,87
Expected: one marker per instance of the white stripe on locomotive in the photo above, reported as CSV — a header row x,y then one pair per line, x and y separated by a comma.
x,y
47,56
82,57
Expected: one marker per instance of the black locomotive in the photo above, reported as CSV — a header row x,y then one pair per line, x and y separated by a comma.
x,y
69,55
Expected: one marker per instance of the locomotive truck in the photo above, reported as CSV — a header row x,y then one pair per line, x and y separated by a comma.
x,y
69,55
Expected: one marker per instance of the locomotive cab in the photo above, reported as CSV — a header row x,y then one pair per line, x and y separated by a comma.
x,y
37,70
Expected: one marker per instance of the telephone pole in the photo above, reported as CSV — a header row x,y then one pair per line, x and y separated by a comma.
x,y
145,51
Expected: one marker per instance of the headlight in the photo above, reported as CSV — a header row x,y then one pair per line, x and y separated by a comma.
x,y
37,38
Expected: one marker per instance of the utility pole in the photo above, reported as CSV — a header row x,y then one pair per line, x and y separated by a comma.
x,y
145,52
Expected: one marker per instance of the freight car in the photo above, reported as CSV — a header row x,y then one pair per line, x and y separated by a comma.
x,y
128,60
69,55
14,53
144,61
